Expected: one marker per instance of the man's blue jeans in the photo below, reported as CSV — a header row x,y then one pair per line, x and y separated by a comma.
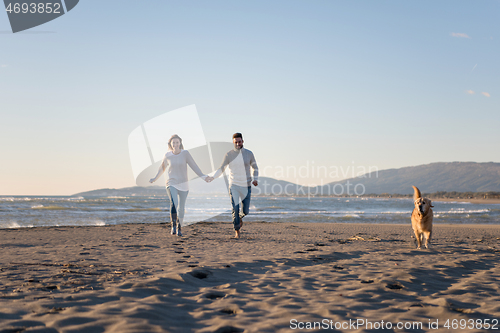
x,y
237,194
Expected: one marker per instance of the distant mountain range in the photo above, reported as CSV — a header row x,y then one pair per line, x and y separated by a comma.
x,y
429,178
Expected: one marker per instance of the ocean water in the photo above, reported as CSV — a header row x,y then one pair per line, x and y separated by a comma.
x,y
37,211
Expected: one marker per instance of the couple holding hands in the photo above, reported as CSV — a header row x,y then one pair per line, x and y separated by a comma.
x,y
239,160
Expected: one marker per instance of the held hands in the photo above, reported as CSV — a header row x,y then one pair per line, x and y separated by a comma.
x,y
255,183
209,179
152,180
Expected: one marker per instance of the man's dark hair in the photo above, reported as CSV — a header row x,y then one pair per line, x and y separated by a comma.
x,y
237,135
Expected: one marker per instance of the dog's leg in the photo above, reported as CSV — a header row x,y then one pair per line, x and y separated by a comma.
x,y
418,236
427,238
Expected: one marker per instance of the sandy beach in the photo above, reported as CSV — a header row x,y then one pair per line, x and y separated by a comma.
x,y
279,277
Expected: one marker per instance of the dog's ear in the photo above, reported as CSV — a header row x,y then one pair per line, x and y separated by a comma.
x,y
416,193
430,203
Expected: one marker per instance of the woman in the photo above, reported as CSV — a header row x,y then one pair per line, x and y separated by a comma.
x,y
175,163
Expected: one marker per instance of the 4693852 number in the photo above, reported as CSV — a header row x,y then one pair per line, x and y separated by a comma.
x,y
478,324
34,8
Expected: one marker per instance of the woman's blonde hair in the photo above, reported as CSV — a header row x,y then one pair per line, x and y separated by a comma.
x,y
175,136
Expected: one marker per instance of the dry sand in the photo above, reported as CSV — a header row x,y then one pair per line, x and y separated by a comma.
x,y
138,278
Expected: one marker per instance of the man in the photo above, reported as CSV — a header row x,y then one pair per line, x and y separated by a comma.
x,y
239,161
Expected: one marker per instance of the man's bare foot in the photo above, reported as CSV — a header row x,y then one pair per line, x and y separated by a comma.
x,y
237,234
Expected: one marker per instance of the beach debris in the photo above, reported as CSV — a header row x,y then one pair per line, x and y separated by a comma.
x,y
395,285
368,239
80,272
55,310
460,310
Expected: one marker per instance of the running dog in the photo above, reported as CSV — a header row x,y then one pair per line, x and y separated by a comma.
x,y
421,218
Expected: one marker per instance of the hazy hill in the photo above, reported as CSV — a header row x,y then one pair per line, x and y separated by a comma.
x,y
430,178
125,192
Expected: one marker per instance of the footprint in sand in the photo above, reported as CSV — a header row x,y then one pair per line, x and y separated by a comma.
x,y
229,329
420,305
200,274
50,288
214,295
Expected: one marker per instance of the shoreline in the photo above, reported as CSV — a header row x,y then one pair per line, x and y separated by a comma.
x,y
138,278
458,200
354,224
473,201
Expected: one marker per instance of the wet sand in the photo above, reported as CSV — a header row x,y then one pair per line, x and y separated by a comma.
x,y
277,277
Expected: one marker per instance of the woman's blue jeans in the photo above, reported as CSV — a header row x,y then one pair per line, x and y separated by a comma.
x,y
177,203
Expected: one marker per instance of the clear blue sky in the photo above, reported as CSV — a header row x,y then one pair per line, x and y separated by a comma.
x,y
325,83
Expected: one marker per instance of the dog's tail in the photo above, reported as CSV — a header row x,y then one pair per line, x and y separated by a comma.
x,y
416,193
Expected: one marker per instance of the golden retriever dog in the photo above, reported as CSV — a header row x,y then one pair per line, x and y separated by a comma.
x,y
421,218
